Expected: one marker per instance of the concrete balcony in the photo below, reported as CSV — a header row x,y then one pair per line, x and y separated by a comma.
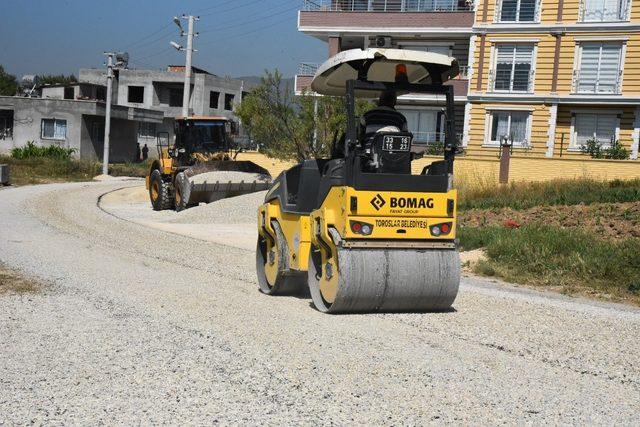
x,y
394,16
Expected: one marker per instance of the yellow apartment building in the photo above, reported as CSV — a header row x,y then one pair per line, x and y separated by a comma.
x,y
549,75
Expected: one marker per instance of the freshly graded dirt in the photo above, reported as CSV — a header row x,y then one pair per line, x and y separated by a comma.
x,y
604,220
144,326
234,210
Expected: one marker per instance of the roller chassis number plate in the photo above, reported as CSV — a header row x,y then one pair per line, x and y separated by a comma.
x,y
396,143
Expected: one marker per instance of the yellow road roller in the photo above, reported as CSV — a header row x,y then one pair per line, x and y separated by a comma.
x,y
360,230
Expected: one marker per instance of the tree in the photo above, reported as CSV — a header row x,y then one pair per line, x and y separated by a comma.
x,y
8,83
60,79
284,124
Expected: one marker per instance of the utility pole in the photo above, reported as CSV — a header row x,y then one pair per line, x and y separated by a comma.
x,y
189,56
107,114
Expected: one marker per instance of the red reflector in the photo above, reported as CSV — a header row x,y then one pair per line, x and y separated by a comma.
x,y
445,228
356,227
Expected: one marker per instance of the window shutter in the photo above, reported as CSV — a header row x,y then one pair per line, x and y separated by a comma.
x,y
606,127
593,10
524,53
527,11
589,67
611,10
585,126
508,10
609,67
505,53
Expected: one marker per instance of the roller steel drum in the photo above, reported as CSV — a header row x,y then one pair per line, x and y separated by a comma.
x,y
389,280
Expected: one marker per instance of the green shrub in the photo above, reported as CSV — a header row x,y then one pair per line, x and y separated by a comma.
x,y
615,151
435,149
32,151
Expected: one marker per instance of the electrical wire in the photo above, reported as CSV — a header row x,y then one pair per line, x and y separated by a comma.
x,y
260,18
199,11
240,6
236,36
147,37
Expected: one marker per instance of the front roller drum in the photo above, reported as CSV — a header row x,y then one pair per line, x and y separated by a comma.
x,y
384,280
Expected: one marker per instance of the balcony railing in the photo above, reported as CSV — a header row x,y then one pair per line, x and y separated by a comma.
x,y
519,83
591,84
387,5
601,14
307,69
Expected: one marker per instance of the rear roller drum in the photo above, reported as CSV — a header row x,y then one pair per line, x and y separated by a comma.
x,y
385,280
274,275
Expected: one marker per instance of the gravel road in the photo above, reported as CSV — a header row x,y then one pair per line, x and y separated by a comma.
x,y
139,325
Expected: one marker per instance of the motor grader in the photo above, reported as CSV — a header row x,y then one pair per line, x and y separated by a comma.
x,y
359,229
202,145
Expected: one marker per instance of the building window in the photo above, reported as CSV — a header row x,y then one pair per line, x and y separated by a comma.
x,y
588,126
6,124
101,93
512,125
136,94
54,129
69,93
97,131
600,68
604,10
214,99
228,101
175,97
425,125
146,130
513,69
517,11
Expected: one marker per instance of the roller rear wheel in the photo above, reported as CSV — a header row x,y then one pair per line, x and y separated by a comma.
x,y
274,275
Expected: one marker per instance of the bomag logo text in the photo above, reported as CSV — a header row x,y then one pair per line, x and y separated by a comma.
x,y
410,203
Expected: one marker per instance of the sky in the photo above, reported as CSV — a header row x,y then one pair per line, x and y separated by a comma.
x,y
237,37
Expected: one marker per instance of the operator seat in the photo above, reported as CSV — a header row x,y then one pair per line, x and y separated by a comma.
x,y
381,117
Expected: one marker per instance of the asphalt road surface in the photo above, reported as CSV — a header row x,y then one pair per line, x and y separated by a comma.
x,y
140,325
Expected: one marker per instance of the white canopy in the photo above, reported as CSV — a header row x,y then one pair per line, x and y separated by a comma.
x,y
331,77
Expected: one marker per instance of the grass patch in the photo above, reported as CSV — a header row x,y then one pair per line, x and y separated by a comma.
x,y
44,170
551,256
139,170
523,195
14,283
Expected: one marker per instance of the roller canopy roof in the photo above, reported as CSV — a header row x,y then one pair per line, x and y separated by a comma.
x,y
422,68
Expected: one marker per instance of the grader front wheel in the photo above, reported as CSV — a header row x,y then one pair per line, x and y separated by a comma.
x,y
159,192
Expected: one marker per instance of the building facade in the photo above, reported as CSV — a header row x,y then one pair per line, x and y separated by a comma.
x,y
211,95
442,26
551,75
546,76
77,124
